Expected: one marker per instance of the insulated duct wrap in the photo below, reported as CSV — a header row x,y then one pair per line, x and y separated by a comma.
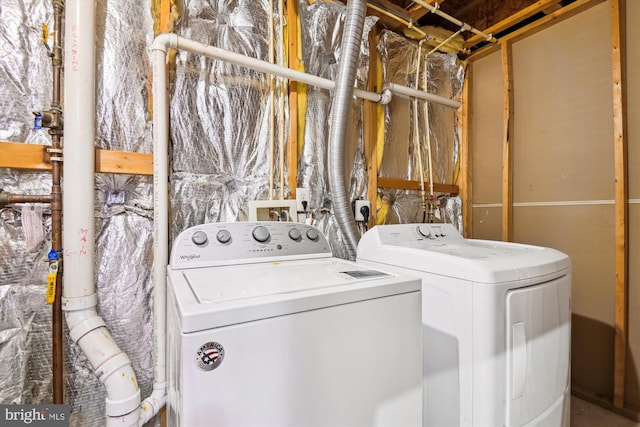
x,y
445,77
220,115
25,318
322,25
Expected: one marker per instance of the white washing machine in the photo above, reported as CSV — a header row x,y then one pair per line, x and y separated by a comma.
x,y
266,328
496,324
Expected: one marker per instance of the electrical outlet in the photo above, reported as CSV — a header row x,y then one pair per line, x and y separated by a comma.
x,y
302,195
358,210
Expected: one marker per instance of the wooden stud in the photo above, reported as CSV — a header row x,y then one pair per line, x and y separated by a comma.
x,y
464,176
403,184
507,143
294,63
370,128
620,142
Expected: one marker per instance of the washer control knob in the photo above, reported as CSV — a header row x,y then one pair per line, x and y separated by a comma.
x,y
312,235
223,236
199,238
261,234
294,234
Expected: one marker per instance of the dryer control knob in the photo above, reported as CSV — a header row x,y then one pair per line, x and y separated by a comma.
x,y
261,234
294,234
199,238
223,236
312,235
425,232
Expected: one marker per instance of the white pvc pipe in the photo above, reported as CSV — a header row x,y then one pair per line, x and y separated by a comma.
x,y
156,400
79,299
407,91
436,9
277,70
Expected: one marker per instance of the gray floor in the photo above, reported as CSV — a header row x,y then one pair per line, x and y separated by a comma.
x,y
585,414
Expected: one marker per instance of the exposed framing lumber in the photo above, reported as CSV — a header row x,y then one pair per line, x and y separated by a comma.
x,y
24,156
618,66
549,20
35,157
537,7
294,63
464,177
402,184
507,142
417,11
370,129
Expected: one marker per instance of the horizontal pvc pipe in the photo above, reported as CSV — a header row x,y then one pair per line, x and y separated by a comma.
x,y
407,91
171,40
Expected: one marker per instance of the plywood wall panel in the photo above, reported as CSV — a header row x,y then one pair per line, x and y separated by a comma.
x,y
487,130
487,223
585,233
563,147
633,97
632,387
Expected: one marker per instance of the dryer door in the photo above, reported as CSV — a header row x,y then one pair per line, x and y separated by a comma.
x,y
538,332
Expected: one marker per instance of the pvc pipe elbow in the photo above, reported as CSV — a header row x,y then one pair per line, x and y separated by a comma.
x,y
385,97
152,404
164,41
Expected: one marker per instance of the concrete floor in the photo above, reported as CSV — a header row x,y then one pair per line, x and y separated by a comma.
x,y
585,414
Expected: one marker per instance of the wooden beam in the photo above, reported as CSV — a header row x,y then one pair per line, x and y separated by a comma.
x,y
514,19
465,174
24,156
370,126
417,11
294,62
507,142
416,185
620,142
539,25
122,162
35,157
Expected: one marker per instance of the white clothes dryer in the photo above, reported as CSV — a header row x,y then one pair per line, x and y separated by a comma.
x,y
267,328
496,324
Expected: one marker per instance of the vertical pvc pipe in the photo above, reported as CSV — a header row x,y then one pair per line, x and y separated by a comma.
x,y
152,404
79,299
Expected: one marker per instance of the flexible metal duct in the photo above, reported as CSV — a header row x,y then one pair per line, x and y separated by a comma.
x,y
340,114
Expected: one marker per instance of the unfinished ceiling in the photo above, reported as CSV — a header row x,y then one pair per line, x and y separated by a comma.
x,y
494,17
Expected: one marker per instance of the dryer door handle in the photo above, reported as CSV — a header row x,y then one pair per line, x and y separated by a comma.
x,y
518,360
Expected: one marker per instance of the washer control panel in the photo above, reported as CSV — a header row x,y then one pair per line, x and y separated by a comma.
x,y
214,244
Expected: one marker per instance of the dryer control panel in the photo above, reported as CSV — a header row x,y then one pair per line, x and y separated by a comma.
x,y
215,244
393,234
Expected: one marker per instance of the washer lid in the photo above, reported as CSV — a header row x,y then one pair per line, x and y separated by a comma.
x,y
440,249
217,296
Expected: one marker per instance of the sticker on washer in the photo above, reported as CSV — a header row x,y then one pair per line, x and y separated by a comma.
x,y
210,356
